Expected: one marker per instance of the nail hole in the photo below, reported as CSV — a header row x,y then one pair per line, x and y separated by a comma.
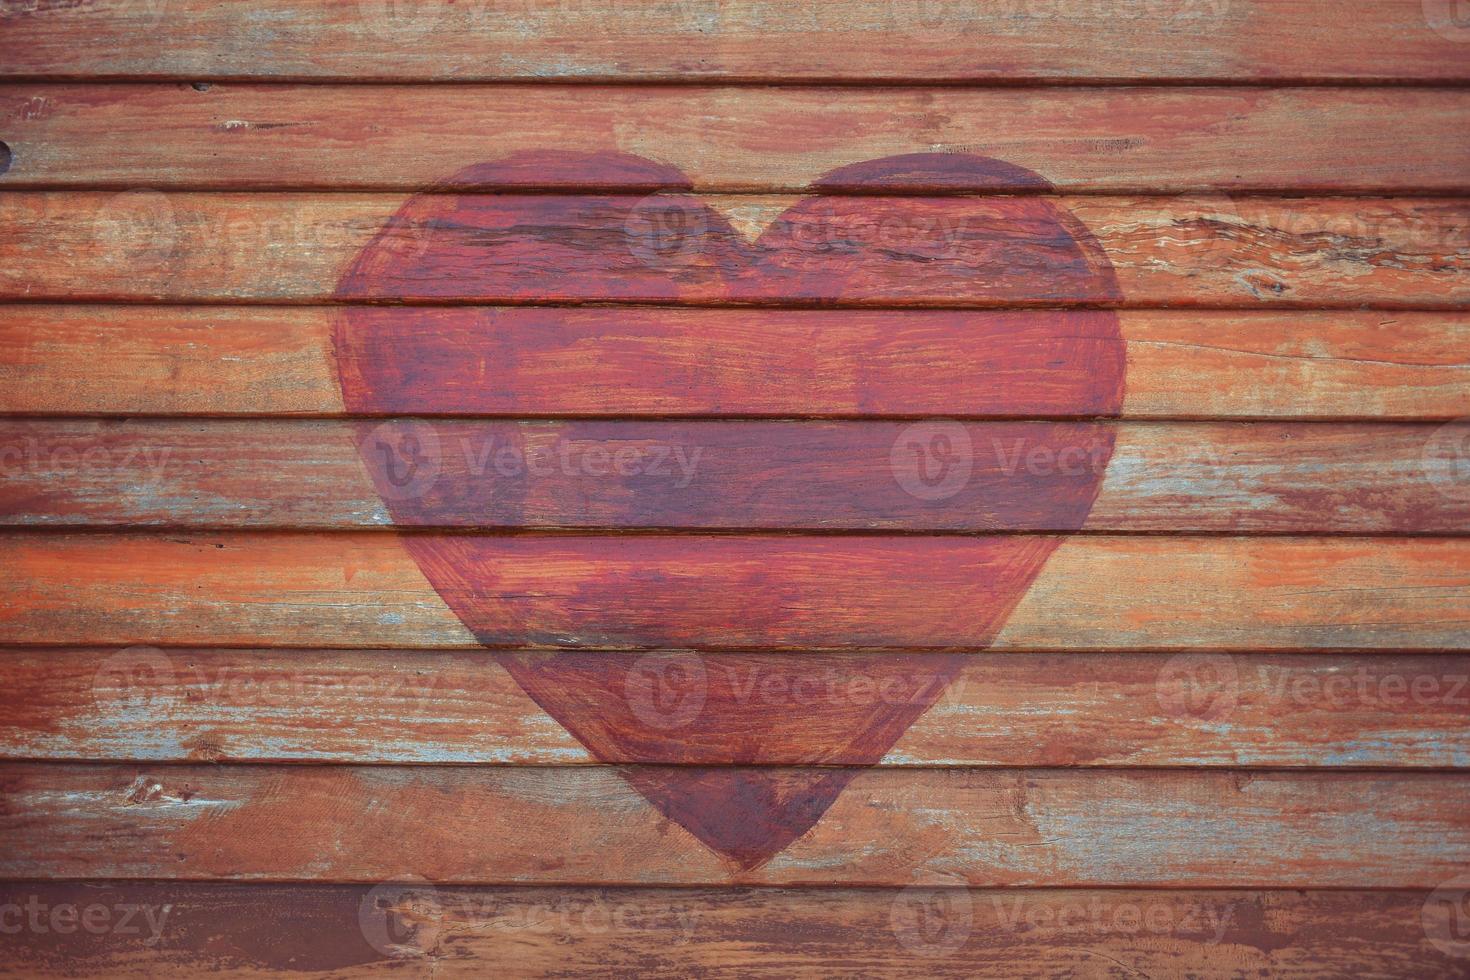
x,y
199,86
4,157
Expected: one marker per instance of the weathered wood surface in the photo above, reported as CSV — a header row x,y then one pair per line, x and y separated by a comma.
x,y
146,704
1124,40
1213,686
1096,592
1124,140
417,929
125,360
1274,478
587,825
912,251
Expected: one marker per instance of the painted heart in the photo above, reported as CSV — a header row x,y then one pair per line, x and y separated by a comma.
x,y
702,727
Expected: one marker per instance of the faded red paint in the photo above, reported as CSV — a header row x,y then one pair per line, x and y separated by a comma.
x,y
828,249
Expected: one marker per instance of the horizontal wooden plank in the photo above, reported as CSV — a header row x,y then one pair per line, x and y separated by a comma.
x,y
493,825
1133,140
1125,40
1275,478
366,589
58,360
145,929
936,251
146,704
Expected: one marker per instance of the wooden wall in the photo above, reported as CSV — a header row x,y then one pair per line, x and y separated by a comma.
x,y
735,488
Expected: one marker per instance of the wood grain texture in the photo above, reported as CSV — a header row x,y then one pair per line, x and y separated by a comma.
x,y
417,929
631,361
146,704
1128,40
1274,478
1133,140
733,636
493,825
365,590
294,248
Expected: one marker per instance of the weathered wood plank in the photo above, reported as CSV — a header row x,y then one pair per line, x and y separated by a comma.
x,y
58,360
365,589
146,704
585,825
302,930
1133,140
937,251
1125,40
1276,478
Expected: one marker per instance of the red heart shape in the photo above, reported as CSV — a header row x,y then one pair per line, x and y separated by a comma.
x,y
840,248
